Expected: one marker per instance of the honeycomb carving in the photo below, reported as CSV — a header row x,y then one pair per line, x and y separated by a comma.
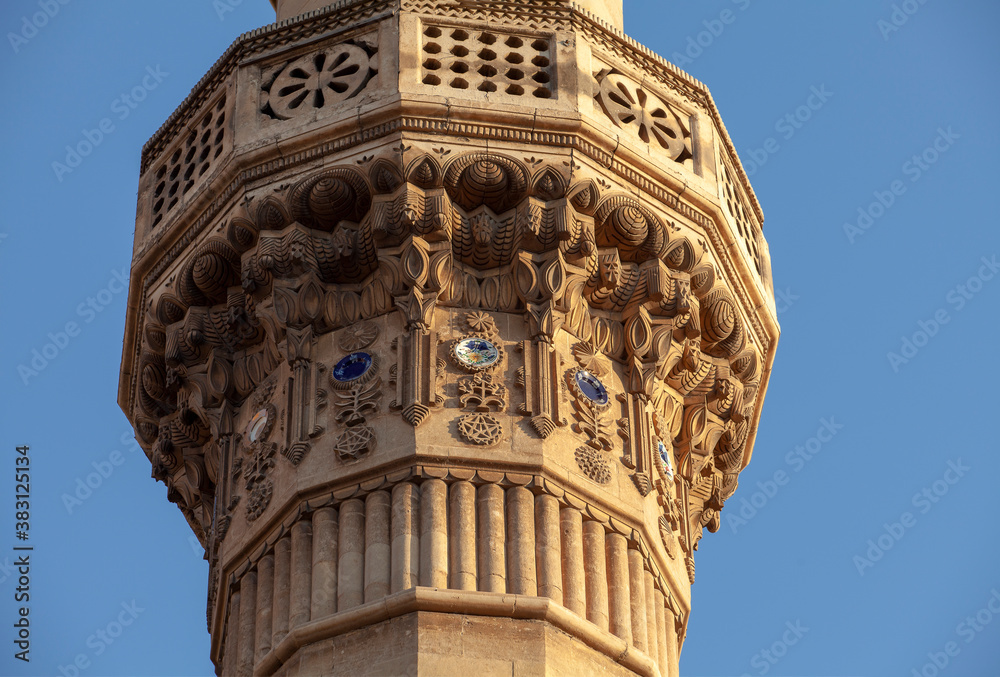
x,y
191,159
459,58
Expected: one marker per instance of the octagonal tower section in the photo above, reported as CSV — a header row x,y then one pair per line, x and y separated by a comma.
x,y
449,331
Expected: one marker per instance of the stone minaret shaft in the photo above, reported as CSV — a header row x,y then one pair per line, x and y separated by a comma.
x,y
450,323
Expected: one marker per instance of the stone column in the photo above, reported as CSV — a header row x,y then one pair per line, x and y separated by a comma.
x,y
231,651
324,563
248,609
279,613
637,597
405,537
351,566
661,633
547,550
265,606
490,532
301,574
434,534
462,539
619,597
377,550
651,631
596,573
574,576
521,579
671,634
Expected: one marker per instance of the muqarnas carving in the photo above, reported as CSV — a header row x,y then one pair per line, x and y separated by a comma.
x,y
482,233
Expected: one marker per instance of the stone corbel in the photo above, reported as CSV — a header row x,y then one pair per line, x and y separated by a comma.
x,y
541,282
305,396
416,374
540,378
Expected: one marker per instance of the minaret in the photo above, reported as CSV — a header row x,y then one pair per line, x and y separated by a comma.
x,y
449,328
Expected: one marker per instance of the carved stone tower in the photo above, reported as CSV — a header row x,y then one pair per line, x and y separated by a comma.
x,y
449,327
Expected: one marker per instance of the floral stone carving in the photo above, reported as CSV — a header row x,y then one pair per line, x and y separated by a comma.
x,y
318,80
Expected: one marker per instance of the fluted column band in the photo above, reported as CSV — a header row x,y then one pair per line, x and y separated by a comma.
x,y
510,534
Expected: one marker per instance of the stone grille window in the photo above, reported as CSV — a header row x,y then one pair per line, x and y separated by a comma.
x,y
485,61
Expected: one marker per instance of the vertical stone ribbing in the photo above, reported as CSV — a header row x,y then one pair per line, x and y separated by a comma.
x,y
637,600
547,550
596,573
671,634
573,574
462,537
248,609
661,632
301,574
231,651
490,528
351,565
521,576
434,534
279,614
405,537
619,596
652,643
265,604
378,553
324,563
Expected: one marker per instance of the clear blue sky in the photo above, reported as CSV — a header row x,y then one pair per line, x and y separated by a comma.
x,y
882,437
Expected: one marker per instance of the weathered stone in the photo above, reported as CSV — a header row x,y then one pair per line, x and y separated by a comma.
x,y
449,330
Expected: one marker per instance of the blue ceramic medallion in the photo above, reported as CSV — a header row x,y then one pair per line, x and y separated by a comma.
x,y
668,466
352,367
591,387
257,424
476,353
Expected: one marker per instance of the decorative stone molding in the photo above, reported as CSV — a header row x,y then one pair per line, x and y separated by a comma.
x,y
543,538
366,241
